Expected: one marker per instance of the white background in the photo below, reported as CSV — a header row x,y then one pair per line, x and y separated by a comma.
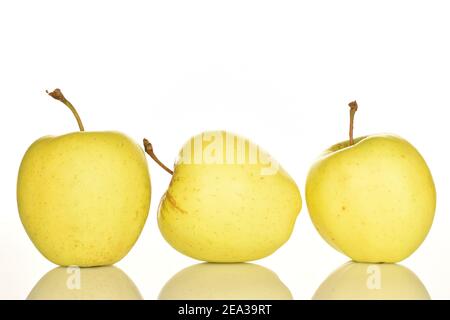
x,y
278,72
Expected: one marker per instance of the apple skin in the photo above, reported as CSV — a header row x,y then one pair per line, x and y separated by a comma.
x,y
84,197
226,212
231,281
374,201
362,281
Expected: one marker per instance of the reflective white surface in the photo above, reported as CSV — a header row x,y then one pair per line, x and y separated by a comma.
x,y
229,281
280,73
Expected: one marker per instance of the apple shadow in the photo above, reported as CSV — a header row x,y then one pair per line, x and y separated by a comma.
x,y
73,283
365,281
228,281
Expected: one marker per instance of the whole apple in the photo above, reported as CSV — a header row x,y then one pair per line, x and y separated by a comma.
x,y
228,200
372,198
83,197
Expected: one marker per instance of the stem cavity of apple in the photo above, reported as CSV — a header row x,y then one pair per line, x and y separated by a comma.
x,y
58,95
353,107
149,150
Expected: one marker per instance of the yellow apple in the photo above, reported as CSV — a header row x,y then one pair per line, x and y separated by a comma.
x,y
228,201
84,197
373,198
100,283
362,281
233,281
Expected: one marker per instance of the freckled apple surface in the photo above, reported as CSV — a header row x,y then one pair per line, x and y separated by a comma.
x,y
84,197
374,201
225,212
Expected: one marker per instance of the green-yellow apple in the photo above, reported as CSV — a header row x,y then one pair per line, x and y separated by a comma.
x,y
216,281
99,283
228,201
362,281
83,197
372,198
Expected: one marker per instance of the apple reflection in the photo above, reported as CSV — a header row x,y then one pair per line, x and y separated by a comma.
x,y
362,281
215,281
73,283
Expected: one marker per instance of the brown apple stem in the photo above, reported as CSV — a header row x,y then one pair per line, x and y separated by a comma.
x,y
149,149
353,107
57,94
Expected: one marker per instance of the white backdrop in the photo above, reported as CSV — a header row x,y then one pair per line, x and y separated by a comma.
x,y
278,72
